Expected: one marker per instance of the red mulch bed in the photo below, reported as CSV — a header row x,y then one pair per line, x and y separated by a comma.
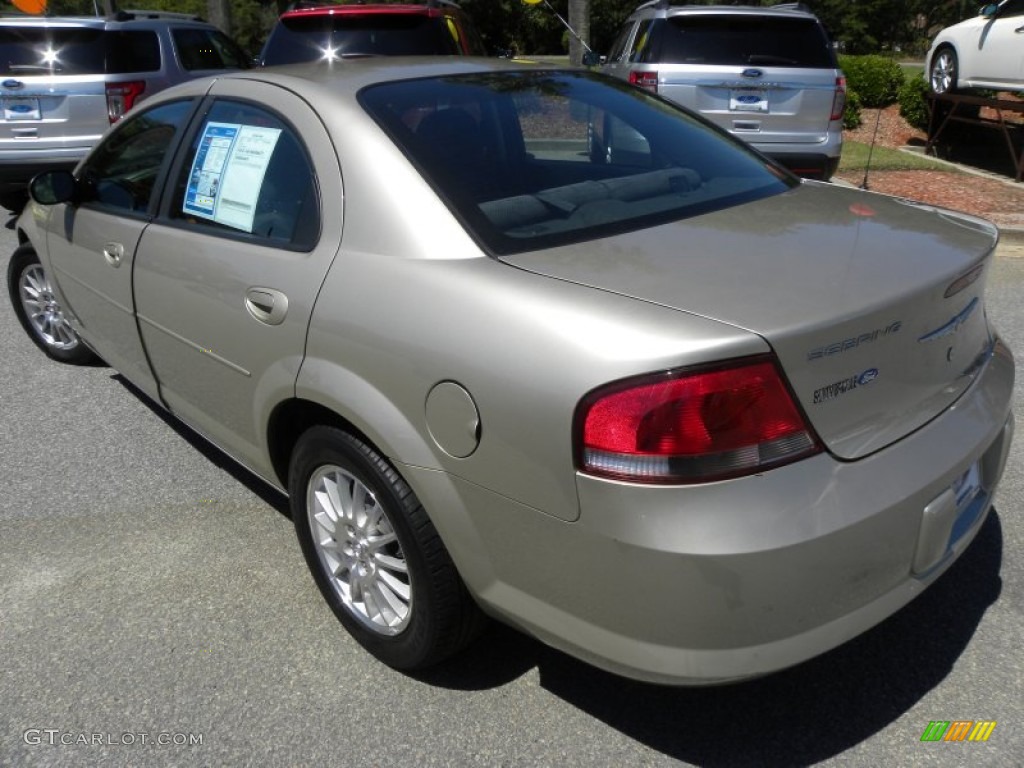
x,y
991,198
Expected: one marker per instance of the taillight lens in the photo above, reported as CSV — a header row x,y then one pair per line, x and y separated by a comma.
x,y
839,99
645,80
693,425
121,97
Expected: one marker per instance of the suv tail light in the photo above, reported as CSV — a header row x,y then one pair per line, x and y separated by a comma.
x,y
692,425
839,100
121,97
645,80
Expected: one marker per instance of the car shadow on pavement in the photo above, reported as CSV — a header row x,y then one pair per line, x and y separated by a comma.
x,y
799,716
268,494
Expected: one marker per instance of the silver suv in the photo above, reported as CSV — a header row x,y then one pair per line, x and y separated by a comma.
x,y
63,81
767,75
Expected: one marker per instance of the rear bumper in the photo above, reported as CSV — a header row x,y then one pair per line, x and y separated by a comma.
x,y
731,580
812,161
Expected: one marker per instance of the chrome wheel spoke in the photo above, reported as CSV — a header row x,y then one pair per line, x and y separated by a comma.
x,y
42,310
359,550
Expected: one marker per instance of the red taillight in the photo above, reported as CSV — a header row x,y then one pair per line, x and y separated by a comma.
x,y
121,97
646,80
839,100
693,425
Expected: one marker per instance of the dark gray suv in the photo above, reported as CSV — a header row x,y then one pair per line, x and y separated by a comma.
x,y
767,75
63,81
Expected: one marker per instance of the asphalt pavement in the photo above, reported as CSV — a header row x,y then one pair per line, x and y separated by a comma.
x,y
155,610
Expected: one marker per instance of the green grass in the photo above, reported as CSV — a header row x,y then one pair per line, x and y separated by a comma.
x,y
855,157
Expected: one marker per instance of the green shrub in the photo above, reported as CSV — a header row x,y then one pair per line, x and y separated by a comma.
x,y
876,79
851,112
914,103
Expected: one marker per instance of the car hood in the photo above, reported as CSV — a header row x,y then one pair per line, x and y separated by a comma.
x,y
873,304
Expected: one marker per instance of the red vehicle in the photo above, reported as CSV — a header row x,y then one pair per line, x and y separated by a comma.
x,y
330,31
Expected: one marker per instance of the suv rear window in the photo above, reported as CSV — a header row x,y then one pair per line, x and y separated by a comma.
x,y
311,38
741,40
76,51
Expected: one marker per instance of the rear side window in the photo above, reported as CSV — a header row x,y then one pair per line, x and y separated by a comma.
x,y
200,49
312,38
132,51
742,40
248,174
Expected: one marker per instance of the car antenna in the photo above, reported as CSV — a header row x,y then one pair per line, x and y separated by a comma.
x,y
871,150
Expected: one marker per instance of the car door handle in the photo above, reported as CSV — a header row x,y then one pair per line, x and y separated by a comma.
x,y
113,253
268,305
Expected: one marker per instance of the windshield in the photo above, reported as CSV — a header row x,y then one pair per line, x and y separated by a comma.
x,y
535,159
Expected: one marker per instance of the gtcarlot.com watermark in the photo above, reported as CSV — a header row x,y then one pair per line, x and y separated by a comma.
x,y
56,737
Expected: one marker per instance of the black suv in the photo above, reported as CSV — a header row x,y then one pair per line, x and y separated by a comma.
x,y
64,80
316,31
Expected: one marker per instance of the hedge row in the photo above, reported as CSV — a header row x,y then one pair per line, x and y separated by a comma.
x,y
876,82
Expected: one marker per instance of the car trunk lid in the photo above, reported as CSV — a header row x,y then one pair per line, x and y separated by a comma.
x,y
873,305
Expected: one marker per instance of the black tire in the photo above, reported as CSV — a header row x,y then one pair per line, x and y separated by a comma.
x,y
943,71
39,312
363,581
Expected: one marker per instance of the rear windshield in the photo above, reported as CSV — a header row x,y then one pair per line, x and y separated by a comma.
x,y
535,159
76,51
741,40
312,38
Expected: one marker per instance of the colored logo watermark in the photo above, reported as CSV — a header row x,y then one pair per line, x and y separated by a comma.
x,y
958,730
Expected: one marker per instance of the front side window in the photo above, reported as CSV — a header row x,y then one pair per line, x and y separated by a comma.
x,y
248,174
535,159
123,171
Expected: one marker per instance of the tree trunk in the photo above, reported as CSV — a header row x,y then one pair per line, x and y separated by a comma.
x,y
219,13
579,19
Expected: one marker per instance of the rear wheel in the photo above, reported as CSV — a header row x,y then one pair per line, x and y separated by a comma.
x,y
944,71
39,312
374,553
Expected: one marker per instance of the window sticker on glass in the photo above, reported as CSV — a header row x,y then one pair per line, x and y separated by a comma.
x,y
227,173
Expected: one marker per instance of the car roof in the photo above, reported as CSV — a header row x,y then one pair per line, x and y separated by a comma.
x,y
347,76
132,18
405,9
784,9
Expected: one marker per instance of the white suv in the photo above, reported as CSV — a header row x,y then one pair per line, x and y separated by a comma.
x,y
767,75
984,52
64,80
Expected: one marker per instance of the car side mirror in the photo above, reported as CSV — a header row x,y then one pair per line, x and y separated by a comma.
x,y
592,58
52,187
988,11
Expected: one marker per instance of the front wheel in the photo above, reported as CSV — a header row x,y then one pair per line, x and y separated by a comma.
x,y
944,71
39,312
375,555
